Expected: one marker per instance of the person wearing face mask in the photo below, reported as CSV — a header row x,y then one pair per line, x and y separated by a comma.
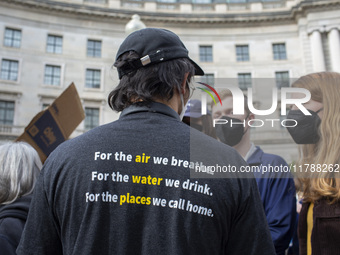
x,y
318,167
276,189
126,187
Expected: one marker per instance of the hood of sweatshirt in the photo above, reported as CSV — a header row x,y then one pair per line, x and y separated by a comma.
x,y
18,209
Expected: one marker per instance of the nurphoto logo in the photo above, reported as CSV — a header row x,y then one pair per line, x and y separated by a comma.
x,y
239,101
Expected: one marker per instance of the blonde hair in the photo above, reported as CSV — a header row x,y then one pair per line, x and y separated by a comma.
x,y
19,169
324,88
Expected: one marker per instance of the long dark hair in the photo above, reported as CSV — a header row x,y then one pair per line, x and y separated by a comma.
x,y
148,83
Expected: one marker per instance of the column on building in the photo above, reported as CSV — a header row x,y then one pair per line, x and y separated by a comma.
x,y
317,51
334,49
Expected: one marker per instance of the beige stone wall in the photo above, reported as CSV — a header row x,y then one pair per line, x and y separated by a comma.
x,y
223,26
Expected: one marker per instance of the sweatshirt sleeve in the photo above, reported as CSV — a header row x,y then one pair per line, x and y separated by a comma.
x,y
40,234
249,232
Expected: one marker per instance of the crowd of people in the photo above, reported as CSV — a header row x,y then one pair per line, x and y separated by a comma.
x,y
139,198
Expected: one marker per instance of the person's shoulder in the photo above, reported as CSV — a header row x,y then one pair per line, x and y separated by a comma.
x,y
11,227
281,172
85,139
73,151
10,232
9,222
274,158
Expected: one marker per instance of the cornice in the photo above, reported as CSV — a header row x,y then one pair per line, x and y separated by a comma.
x,y
124,15
11,93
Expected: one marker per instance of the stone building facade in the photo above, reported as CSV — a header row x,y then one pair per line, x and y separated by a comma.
x,y
46,45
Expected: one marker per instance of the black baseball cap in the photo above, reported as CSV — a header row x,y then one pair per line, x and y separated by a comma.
x,y
153,45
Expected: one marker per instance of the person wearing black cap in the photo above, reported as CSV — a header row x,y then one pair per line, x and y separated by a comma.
x,y
126,187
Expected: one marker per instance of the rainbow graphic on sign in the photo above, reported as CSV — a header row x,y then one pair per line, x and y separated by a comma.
x,y
209,93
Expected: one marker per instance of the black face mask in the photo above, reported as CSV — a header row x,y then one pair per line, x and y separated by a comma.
x,y
230,135
306,130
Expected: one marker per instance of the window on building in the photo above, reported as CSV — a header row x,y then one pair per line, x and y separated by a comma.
x,y
44,106
6,112
94,48
12,38
242,53
96,1
201,1
282,79
279,51
9,70
244,80
250,1
54,44
206,54
52,75
208,78
91,118
92,78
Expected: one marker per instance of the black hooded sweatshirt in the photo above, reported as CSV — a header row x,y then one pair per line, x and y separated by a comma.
x,y
12,221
